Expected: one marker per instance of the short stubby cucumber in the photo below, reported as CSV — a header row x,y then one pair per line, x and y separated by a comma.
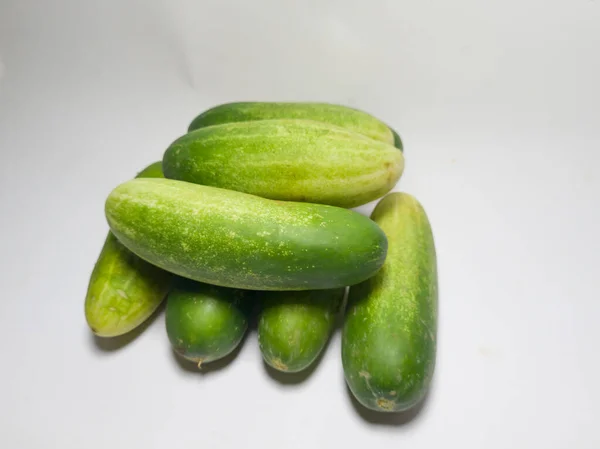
x,y
237,240
124,290
294,327
389,333
288,160
206,322
342,116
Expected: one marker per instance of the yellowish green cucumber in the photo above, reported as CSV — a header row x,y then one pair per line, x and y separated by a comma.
x,y
124,290
389,334
206,322
289,160
233,239
334,114
294,327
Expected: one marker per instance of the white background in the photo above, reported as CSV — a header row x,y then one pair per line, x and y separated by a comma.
x,y
497,104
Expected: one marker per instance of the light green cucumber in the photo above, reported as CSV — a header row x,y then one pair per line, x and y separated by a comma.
x,y
289,160
206,322
342,116
389,334
294,327
124,290
233,239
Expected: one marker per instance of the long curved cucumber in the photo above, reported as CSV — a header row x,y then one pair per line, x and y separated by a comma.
x,y
389,334
288,160
124,290
334,114
233,239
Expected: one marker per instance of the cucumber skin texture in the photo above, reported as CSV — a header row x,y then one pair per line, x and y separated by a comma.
x,y
232,239
205,322
288,160
294,327
389,334
124,290
338,115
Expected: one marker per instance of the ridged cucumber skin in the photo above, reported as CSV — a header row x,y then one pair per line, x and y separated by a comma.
x,y
288,160
124,290
389,333
294,327
205,322
236,240
334,114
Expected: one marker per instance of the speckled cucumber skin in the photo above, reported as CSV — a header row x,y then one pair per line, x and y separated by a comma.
x,y
289,160
124,290
342,116
294,327
389,333
206,322
233,239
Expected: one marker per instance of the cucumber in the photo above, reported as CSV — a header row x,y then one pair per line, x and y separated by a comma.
x,y
389,334
397,140
294,327
124,290
206,322
342,116
289,160
237,240
152,171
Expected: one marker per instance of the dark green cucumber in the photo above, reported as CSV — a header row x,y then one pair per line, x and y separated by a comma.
x,y
294,327
342,116
289,160
124,290
237,240
397,140
389,334
206,322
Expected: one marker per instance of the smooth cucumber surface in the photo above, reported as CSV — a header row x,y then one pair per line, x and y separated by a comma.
x,y
289,160
124,290
294,327
233,239
342,116
206,322
389,333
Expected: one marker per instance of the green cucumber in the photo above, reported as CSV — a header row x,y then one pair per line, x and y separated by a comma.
x,y
294,327
152,171
397,140
342,116
389,334
124,290
206,322
233,239
289,160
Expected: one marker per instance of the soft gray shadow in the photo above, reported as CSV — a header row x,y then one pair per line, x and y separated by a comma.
x,y
386,418
111,344
292,378
209,367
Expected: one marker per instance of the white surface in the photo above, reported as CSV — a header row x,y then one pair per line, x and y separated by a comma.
x,y
497,103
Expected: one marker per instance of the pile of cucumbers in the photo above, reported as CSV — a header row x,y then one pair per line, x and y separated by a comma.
x,y
252,206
